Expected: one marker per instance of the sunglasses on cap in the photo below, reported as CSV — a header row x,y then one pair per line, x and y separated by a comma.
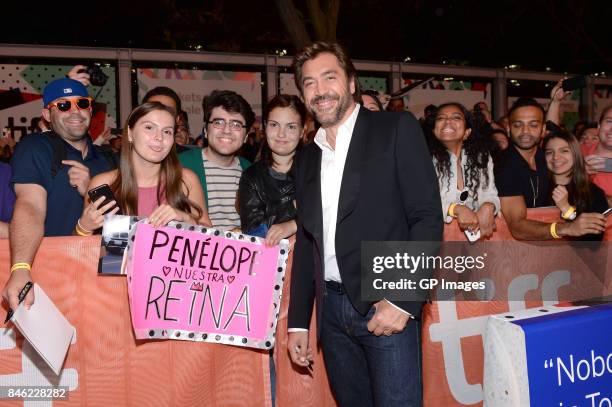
x,y
64,105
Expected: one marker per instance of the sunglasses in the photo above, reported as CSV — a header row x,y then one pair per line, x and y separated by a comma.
x,y
64,105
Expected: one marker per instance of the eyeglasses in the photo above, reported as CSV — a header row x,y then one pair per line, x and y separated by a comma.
x,y
64,105
234,125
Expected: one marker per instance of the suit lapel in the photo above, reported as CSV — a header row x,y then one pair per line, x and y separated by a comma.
x,y
351,177
313,212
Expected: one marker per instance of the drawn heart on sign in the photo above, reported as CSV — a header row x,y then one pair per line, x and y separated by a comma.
x,y
166,270
230,279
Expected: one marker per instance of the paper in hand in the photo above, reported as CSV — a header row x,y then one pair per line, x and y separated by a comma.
x,y
46,328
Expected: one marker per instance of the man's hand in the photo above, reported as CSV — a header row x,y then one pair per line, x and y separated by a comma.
x,y
387,319
486,219
584,224
557,93
14,285
561,196
299,349
595,163
82,77
78,175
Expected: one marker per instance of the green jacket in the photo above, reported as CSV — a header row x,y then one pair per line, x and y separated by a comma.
x,y
192,159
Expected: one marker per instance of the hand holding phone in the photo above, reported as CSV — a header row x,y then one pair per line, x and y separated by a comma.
x,y
472,236
103,191
576,82
607,165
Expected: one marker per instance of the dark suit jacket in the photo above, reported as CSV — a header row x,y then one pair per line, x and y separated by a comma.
x,y
389,192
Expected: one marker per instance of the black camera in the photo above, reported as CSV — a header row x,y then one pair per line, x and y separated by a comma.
x,y
96,76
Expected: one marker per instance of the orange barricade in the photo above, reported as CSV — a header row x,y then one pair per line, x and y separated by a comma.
x,y
297,387
106,366
453,355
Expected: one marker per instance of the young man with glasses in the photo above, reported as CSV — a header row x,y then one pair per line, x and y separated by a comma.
x,y
227,118
50,200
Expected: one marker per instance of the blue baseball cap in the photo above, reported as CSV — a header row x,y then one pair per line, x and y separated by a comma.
x,y
63,88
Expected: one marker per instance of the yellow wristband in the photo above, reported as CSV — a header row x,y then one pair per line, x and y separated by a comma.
x,y
568,213
451,210
553,230
81,231
18,266
79,226
78,232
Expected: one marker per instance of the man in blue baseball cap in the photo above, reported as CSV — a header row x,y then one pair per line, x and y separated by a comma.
x,y
51,172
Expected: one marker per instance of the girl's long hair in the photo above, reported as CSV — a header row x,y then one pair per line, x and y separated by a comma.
x,y
578,189
170,182
476,147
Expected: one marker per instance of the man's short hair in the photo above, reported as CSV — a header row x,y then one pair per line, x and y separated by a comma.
x,y
229,101
320,47
604,112
430,109
164,91
526,102
587,125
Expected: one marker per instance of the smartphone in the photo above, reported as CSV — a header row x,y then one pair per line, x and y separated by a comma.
x,y
607,212
105,191
576,82
608,165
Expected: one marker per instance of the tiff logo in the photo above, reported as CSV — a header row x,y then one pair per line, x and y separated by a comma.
x,y
451,329
34,370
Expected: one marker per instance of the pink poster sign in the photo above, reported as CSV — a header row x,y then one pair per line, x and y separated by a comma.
x,y
192,283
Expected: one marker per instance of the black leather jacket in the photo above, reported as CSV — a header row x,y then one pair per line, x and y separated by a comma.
x,y
265,197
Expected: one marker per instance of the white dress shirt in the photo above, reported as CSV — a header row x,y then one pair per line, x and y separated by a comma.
x,y
332,168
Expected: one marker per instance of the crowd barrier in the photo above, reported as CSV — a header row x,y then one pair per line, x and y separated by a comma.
x,y
107,366
453,353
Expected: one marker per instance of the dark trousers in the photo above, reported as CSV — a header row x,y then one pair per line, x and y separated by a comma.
x,y
364,369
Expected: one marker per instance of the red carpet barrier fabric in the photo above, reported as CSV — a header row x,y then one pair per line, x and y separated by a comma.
x,y
452,344
105,365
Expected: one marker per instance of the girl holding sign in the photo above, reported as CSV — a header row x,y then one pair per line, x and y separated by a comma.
x,y
267,189
150,180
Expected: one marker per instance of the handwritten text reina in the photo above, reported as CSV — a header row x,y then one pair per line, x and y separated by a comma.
x,y
197,284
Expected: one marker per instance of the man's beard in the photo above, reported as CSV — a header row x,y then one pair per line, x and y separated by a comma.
x,y
531,145
332,118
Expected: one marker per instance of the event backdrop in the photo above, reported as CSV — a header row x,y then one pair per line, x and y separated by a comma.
x,y
434,92
192,85
21,89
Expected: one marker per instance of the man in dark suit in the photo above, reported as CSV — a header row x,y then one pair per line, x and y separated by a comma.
x,y
367,177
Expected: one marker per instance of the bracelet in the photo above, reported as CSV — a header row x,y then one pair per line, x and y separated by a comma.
x,y
78,232
18,266
553,231
81,231
451,210
569,214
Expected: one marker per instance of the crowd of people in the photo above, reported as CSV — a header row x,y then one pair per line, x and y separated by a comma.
x,y
359,173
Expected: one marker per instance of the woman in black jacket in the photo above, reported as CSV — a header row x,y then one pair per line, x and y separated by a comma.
x,y
267,189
